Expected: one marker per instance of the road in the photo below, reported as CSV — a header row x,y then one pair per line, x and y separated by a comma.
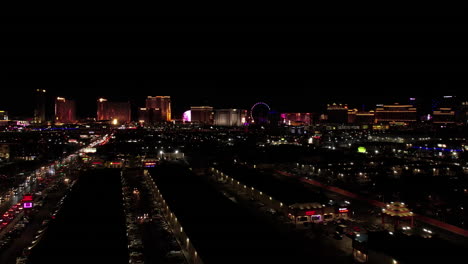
x,y
224,231
15,250
91,226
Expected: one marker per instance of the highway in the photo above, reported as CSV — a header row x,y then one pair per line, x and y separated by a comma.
x,y
30,184
222,230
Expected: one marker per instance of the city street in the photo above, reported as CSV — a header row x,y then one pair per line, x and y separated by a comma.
x,y
36,219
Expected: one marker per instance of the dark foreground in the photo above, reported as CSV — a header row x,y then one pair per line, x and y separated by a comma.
x,y
90,228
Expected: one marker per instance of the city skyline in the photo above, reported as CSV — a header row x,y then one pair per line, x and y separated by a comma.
x,y
86,106
235,62
234,139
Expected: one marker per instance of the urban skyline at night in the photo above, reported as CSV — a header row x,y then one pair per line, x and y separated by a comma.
x,y
234,139
86,106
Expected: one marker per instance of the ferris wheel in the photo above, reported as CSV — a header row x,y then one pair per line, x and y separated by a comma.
x,y
259,112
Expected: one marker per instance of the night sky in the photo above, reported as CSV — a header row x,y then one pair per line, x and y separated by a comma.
x,y
292,63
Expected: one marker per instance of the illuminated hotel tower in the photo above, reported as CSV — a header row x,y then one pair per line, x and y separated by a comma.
x,y
40,107
117,112
65,110
160,105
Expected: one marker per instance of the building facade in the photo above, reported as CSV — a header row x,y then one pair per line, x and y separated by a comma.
x,y
230,117
40,106
296,119
161,107
337,113
149,115
361,117
3,115
396,113
202,115
116,112
443,116
65,111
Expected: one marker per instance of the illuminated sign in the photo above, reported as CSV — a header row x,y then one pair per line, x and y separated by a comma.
x,y
150,164
343,210
27,205
27,198
310,213
362,150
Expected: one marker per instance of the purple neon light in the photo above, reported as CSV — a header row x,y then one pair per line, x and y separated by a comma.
x,y
260,103
27,205
187,117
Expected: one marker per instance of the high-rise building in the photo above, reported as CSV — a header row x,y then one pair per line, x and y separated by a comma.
x,y
3,115
149,115
162,105
65,110
396,113
202,115
337,113
40,106
296,119
230,117
443,116
117,112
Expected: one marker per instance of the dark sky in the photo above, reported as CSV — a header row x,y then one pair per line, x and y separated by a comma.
x,y
292,63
